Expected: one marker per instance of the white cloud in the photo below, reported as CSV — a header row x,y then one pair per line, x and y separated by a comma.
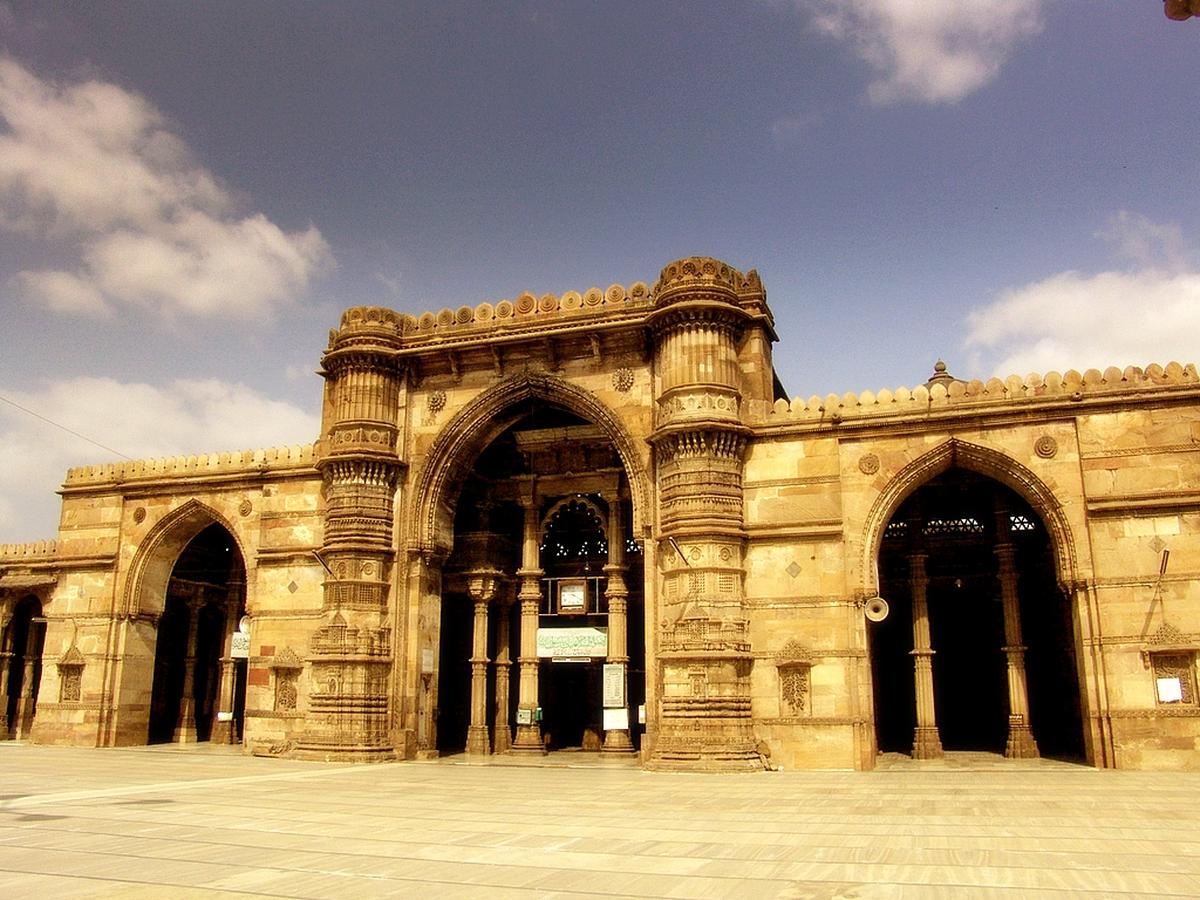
x,y
138,420
63,292
97,165
932,51
1150,313
1146,244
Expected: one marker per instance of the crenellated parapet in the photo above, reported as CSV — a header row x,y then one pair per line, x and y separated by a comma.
x,y
955,395
405,330
204,465
35,551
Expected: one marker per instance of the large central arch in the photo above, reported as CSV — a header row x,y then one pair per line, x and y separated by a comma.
x,y
488,415
1061,573
976,458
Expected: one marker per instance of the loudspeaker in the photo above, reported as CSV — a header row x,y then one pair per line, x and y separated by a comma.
x,y
875,609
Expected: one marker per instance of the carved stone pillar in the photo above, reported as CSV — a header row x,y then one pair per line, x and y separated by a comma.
x,y
223,731
502,736
1020,743
529,732
27,702
927,742
702,307
351,654
481,587
185,725
5,663
617,740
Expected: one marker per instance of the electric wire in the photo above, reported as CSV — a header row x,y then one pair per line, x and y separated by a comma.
x,y
82,437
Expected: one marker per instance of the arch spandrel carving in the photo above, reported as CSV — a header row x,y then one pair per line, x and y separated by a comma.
x,y
146,582
976,458
481,421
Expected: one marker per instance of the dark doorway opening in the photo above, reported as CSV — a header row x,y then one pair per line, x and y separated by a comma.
x,y
24,641
193,674
955,524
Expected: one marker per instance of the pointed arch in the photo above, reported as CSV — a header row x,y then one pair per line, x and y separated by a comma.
x,y
600,515
146,584
481,421
986,461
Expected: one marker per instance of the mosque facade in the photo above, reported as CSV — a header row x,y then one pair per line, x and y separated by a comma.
x,y
596,522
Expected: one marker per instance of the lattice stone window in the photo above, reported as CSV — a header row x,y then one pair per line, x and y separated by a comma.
x,y
287,667
1174,678
70,677
793,688
794,664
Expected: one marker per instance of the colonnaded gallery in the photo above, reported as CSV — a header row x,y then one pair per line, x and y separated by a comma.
x,y
596,521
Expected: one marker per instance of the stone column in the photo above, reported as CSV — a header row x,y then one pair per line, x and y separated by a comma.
x,y
502,738
5,663
482,588
350,697
529,734
27,702
1020,744
702,308
223,731
616,593
927,743
185,725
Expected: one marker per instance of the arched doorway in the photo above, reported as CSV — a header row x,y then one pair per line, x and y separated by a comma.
x,y
533,562
978,650
199,690
21,658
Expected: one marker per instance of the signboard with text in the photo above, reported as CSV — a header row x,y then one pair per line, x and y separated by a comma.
x,y
239,648
572,642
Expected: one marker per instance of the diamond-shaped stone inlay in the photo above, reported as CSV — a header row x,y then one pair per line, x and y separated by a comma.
x,y
293,587
793,569
1157,545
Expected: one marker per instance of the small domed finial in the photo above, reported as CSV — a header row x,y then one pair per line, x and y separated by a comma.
x,y
940,375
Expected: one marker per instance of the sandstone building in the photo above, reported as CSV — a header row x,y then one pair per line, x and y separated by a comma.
x,y
596,521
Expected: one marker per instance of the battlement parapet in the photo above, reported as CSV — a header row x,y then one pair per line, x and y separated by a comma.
x,y
525,310
31,552
945,392
204,464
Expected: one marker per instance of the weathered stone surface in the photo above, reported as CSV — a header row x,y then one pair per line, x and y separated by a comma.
x,y
736,537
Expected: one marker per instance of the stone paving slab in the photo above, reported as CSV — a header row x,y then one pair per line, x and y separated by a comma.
x,y
211,822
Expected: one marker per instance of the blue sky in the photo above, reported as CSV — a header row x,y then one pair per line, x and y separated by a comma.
x,y
191,192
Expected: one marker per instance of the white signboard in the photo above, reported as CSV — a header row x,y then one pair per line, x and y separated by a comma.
x,y
616,719
1170,690
614,685
572,642
239,647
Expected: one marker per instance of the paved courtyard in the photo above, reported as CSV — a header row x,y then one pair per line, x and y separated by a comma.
x,y
158,822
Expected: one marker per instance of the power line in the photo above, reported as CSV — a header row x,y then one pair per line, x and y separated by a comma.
x,y
82,437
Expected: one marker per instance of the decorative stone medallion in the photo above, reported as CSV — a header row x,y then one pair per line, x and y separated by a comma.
x,y
623,379
437,401
1045,446
139,514
245,507
868,464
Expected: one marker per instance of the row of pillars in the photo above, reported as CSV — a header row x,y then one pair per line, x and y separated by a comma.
x,y
26,705
482,587
927,742
223,730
